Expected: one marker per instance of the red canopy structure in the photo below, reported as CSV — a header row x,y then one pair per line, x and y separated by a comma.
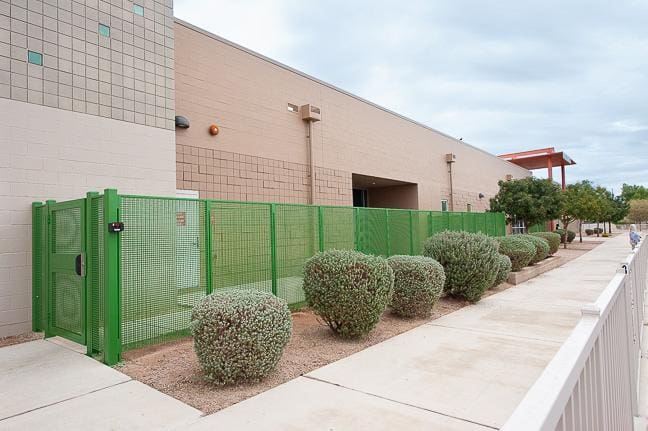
x,y
540,159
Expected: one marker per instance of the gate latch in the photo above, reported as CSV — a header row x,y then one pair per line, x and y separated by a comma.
x,y
115,227
79,265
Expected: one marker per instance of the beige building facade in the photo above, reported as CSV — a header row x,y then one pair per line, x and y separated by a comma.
x,y
89,94
261,151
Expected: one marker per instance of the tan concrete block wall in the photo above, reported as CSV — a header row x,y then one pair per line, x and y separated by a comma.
x,y
247,96
127,76
48,153
233,176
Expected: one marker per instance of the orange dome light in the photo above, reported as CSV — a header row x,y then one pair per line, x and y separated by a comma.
x,y
213,130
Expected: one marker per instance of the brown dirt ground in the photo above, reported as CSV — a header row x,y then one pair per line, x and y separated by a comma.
x,y
172,368
22,338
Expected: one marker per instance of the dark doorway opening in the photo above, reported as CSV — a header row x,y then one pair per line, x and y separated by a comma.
x,y
360,198
377,192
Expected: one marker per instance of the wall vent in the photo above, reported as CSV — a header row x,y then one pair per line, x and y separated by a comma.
x,y
310,113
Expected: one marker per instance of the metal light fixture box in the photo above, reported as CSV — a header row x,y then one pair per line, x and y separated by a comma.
x,y
181,122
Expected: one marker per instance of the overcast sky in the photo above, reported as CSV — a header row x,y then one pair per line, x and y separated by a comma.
x,y
504,76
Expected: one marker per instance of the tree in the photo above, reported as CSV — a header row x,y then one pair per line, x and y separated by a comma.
x,y
605,207
630,193
579,202
530,200
638,212
621,208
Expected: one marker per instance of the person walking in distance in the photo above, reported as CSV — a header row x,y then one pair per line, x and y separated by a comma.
x,y
634,236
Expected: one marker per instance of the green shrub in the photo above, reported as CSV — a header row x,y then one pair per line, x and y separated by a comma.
x,y
519,251
239,335
571,235
348,290
541,246
552,238
470,262
418,284
503,269
589,232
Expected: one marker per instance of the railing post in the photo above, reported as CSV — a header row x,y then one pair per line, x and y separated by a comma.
x,y
208,249
273,247
89,273
112,338
320,225
37,249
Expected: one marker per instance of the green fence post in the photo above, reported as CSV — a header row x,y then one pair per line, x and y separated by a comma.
x,y
356,224
112,339
46,279
388,232
208,249
411,223
320,224
273,247
430,229
89,274
37,250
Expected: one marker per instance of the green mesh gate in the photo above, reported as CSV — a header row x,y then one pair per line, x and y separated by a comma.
x,y
139,285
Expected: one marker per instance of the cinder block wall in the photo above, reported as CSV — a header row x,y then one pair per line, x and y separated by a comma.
x,y
90,111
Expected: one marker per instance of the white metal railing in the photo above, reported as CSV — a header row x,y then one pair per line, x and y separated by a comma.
x,y
591,383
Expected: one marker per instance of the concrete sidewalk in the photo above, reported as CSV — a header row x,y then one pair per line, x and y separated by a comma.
x,y
44,385
465,371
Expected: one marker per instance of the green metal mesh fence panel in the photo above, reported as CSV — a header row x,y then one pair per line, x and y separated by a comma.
x,y
241,252
480,222
400,232
440,221
95,282
371,231
66,293
500,224
491,228
421,226
338,228
162,267
455,221
469,222
297,239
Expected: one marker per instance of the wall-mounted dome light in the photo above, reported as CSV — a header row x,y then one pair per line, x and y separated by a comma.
x,y
481,196
181,122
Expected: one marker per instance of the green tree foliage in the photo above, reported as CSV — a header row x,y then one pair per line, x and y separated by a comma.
x,y
621,208
605,207
531,200
638,212
631,193
580,202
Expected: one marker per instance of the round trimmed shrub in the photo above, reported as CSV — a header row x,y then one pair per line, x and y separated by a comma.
x,y
239,335
552,238
541,246
348,290
519,251
503,269
468,259
571,235
418,284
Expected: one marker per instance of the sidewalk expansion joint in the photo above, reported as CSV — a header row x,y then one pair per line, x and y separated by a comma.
x,y
399,402
499,333
64,400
